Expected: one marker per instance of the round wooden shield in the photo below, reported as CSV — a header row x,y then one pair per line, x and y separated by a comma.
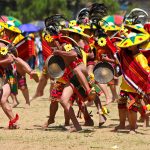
x,y
103,72
55,66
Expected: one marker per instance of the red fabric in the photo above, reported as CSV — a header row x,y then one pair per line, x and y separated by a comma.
x,y
86,48
91,40
134,71
62,39
6,38
108,49
75,63
90,63
12,122
111,45
46,49
31,47
57,90
147,27
65,76
26,49
146,54
144,108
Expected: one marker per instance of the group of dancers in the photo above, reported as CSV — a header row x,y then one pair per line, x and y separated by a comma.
x,y
78,47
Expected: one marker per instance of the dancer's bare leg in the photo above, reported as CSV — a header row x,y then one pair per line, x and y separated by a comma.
x,y
90,69
7,108
25,93
106,92
87,117
146,120
67,118
114,92
15,100
81,73
67,93
52,112
5,105
40,88
144,114
102,118
122,118
132,117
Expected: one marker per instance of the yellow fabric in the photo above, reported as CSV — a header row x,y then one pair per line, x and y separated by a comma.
x,y
141,59
18,39
84,56
126,87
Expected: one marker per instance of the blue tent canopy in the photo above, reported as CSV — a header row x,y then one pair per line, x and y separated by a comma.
x,y
39,24
29,28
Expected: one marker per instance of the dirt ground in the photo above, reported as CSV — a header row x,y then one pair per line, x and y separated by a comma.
x,y
30,136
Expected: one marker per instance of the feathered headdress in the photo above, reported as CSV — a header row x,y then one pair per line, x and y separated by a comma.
x,y
96,13
54,23
83,16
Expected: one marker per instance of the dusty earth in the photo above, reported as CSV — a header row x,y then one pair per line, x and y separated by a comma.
x,y
30,136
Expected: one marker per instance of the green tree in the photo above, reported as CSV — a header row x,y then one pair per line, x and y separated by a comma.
x,y
29,10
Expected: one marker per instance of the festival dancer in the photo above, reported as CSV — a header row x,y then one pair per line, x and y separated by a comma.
x,y
8,83
88,120
68,57
56,89
13,35
133,63
22,68
83,42
91,50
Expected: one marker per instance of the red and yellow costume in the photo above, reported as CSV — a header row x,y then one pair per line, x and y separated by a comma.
x,y
129,94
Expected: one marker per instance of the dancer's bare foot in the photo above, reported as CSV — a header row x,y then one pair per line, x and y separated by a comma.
x,y
36,96
128,126
27,106
73,129
119,127
132,132
47,123
115,99
15,104
67,124
108,101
